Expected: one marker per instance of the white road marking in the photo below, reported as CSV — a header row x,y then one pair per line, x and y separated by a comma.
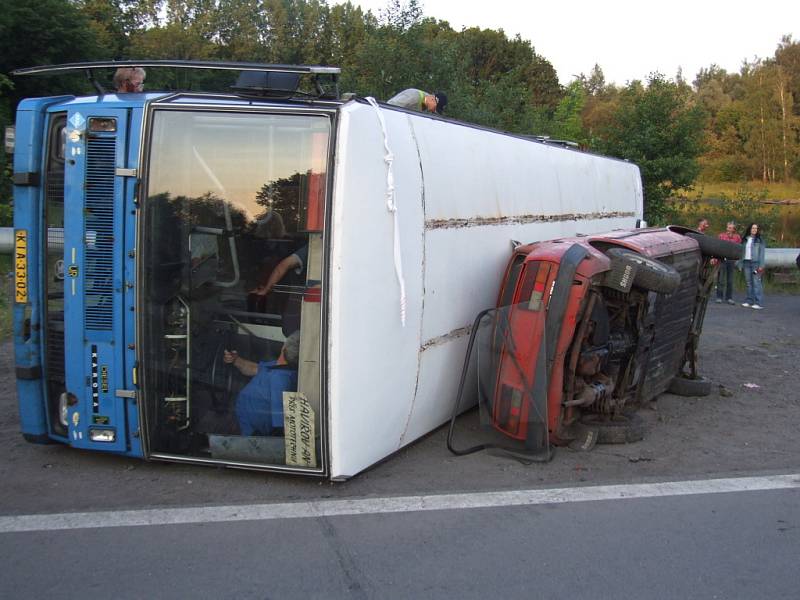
x,y
400,504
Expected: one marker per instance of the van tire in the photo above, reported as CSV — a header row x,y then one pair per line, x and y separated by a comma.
x,y
616,429
684,386
715,247
651,274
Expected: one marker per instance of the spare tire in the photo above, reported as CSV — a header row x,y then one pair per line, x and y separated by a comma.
x,y
715,247
616,429
650,274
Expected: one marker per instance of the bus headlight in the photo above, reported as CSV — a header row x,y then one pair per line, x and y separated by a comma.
x,y
62,409
102,435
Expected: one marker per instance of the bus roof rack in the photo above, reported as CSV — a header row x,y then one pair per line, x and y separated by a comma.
x,y
285,70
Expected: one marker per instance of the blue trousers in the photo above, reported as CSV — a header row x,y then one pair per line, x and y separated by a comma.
x,y
755,292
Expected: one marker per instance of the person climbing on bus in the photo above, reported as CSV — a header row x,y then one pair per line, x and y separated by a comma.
x,y
129,79
259,405
294,264
295,261
415,99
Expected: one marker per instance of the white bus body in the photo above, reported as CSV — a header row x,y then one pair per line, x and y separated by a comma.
x,y
462,195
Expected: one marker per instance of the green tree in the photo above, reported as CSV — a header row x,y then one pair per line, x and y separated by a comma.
x,y
658,127
600,104
40,32
567,120
717,91
787,56
36,33
760,119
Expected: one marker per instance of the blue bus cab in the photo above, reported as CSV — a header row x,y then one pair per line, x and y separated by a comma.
x,y
168,255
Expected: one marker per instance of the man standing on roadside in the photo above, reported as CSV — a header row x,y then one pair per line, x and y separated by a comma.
x,y
702,225
727,266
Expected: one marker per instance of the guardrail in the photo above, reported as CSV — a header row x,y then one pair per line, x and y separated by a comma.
x,y
55,239
781,257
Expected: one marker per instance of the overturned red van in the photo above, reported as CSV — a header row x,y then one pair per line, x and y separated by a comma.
x,y
588,328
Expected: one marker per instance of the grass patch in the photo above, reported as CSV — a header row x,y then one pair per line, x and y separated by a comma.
x,y
782,281
780,222
757,189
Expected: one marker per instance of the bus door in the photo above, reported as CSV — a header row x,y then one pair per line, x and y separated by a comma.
x,y
230,278
95,151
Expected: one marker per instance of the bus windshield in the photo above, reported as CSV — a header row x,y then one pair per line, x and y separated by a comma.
x,y
232,279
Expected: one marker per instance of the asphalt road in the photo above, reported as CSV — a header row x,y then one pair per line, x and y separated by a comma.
x,y
738,544
733,545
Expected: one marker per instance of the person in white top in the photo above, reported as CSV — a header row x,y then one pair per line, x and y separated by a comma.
x,y
753,266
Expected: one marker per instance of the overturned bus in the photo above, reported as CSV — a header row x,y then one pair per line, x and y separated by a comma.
x,y
264,278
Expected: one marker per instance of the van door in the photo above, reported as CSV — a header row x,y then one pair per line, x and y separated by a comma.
x,y
93,253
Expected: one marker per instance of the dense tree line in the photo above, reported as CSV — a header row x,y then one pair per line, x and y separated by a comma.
x,y
724,126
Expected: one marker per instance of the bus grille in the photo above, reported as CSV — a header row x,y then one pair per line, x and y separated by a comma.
x,y
99,266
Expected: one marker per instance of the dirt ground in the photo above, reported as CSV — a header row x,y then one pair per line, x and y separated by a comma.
x,y
748,425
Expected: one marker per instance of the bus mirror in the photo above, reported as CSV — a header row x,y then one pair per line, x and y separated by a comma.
x,y
11,138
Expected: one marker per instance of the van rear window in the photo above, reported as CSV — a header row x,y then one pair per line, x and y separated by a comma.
x,y
510,286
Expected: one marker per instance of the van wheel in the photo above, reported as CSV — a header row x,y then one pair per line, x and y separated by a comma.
x,y
651,274
616,429
715,247
684,386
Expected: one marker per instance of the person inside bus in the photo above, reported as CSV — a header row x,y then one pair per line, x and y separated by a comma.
x,y
415,99
259,405
265,244
291,267
129,80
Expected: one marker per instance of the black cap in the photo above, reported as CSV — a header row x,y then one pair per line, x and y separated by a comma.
x,y
441,101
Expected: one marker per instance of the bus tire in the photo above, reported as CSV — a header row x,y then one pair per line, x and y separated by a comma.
x,y
651,274
41,438
715,247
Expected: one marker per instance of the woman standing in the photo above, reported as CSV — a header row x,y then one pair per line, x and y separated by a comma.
x,y
753,265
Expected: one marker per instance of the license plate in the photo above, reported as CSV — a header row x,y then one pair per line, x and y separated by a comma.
x,y
21,265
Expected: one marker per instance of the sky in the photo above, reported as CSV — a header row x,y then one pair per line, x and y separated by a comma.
x,y
629,38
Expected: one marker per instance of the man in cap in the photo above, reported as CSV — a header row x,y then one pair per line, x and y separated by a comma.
x,y
415,99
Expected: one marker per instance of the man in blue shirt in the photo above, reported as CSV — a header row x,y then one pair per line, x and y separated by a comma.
x,y
259,406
